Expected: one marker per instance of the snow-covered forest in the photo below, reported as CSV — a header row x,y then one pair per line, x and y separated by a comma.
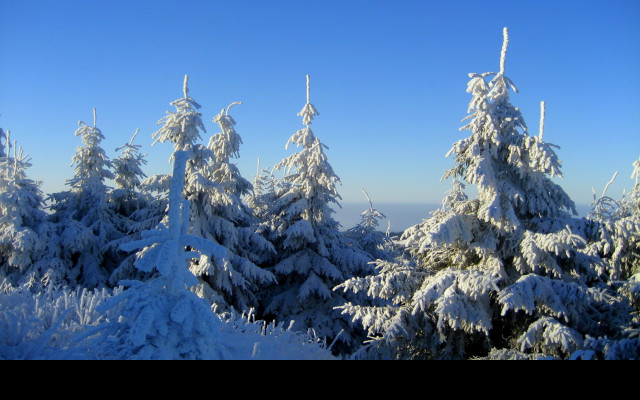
x,y
207,264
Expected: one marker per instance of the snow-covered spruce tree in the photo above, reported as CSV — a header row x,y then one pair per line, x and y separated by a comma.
x,y
617,224
631,210
162,318
313,256
182,128
369,236
221,216
510,270
214,186
263,193
86,222
137,208
29,248
128,176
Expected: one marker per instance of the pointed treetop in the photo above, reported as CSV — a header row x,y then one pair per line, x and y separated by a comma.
x,y
636,171
308,111
368,198
231,105
223,119
130,145
95,117
185,88
133,137
503,54
542,110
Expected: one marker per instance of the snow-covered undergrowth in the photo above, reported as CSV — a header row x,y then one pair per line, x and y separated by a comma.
x,y
64,324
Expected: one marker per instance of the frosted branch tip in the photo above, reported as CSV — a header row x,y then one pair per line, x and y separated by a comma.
x,y
503,53
185,88
542,112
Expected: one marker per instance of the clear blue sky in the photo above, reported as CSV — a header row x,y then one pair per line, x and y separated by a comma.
x,y
388,78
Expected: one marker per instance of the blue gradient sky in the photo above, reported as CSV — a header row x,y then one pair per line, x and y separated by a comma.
x,y
388,78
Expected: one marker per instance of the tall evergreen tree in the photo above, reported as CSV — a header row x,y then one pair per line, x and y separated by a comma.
x,y
313,256
128,177
138,210
86,222
29,248
225,219
213,186
263,193
510,271
162,318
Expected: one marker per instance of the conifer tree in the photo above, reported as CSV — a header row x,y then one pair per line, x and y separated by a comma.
x,y
28,246
182,128
368,234
263,193
128,177
131,197
92,165
617,225
86,222
508,271
213,186
162,318
222,217
313,256
613,223
631,288
618,222
20,210
137,208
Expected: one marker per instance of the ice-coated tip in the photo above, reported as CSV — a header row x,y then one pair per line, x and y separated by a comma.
x,y
133,137
542,112
235,103
185,87
503,53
